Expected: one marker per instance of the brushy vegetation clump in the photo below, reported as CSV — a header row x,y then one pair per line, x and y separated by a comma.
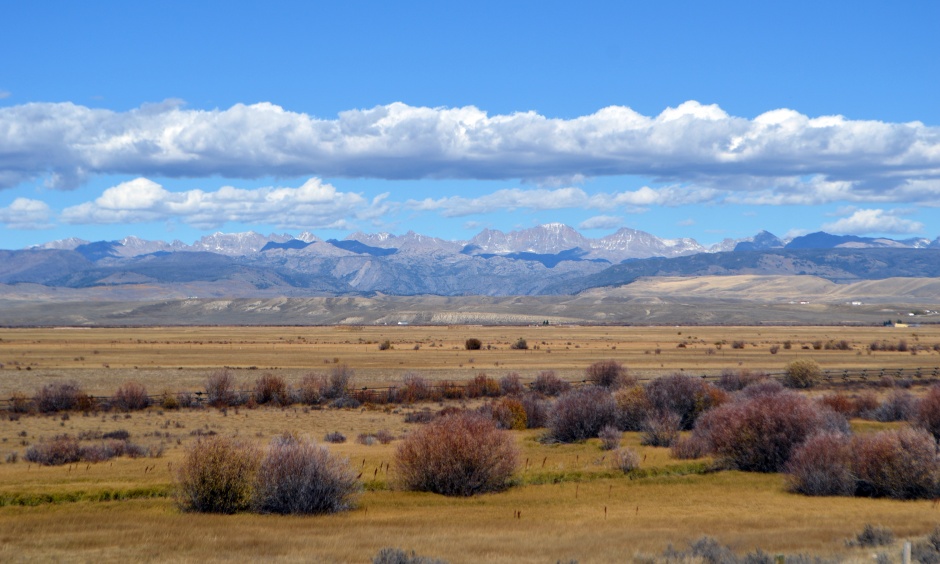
x,y
625,459
131,396
220,388
900,463
872,536
298,477
272,389
608,374
217,475
391,555
548,384
759,434
62,396
661,429
802,373
581,413
685,396
732,380
633,408
610,437
822,466
473,344
459,454
928,411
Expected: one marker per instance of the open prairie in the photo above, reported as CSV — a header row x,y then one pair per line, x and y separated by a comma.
x,y
569,503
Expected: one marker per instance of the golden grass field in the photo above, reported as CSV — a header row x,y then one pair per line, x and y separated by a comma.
x,y
573,505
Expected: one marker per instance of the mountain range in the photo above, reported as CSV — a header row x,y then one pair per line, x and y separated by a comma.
x,y
548,259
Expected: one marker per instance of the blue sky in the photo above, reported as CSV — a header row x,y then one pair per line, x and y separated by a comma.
x,y
709,120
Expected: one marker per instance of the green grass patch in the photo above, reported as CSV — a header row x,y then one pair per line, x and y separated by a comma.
x,y
109,494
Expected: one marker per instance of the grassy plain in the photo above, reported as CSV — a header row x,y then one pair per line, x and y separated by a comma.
x,y
573,506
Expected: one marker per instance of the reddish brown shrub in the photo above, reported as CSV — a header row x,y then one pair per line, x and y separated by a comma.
x,y
220,388
866,402
461,454
900,463
840,403
311,387
271,388
608,374
482,386
581,413
686,396
414,388
509,413
131,396
299,477
822,466
217,476
546,383
760,434
928,411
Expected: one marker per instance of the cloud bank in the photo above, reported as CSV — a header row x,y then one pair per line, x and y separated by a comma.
x,y
778,157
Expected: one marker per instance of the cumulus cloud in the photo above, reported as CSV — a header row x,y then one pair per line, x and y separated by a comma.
x,y
25,213
867,221
781,156
601,222
311,205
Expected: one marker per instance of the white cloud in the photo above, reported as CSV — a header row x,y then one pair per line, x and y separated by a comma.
x,y
24,213
868,221
562,198
4,94
311,205
779,157
601,222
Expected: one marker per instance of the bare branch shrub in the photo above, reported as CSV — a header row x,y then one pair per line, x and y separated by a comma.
x,y
270,388
689,448
548,384
899,405
900,463
733,380
131,396
536,410
461,454
608,374
510,384
414,388
822,466
340,380
220,388
581,413
60,396
299,477
217,476
802,373
391,555
482,386
928,411
872,536
311,388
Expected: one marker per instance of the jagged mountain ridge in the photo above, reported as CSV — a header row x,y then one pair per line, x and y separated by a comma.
x,y
547,259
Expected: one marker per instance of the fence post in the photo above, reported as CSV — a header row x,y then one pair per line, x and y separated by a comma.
x,y
906,553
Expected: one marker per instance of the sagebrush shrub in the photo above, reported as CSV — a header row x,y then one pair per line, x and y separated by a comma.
x,y
610,437
460,454
217,475
548,384
391,555
688,448
802,373
581,413
608,374
872,536
482,386
759,434
339,382
900,463
131,396
220,388
297,476
928,411
20,403
473,344
335,437
760,388
686,396
822,466
633,408
625,459
60,396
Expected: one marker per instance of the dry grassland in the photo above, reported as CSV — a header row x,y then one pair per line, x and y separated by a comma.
x,y
573,506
